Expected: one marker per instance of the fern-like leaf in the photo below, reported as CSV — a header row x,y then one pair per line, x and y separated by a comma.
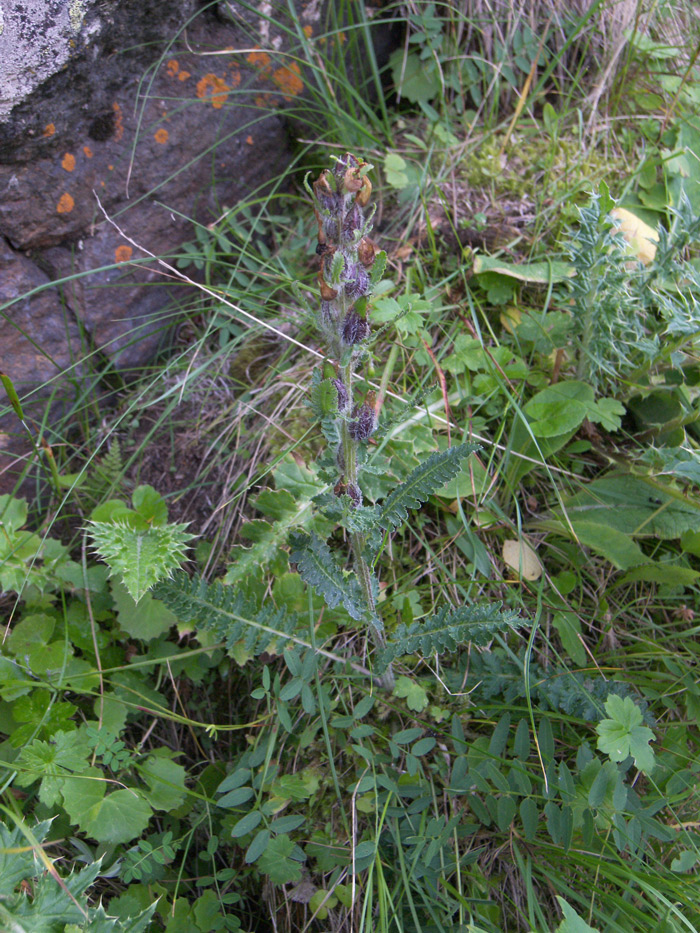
x,y
448,629
228,615
426,479
317,567
140,557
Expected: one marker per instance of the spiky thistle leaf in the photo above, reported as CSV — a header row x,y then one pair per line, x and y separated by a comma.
x,y
448,629
317,567
140,557
426,479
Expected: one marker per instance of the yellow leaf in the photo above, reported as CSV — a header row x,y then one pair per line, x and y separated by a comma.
x,y
521,557
638,234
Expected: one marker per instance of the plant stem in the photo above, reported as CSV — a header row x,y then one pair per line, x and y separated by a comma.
x,y
357,541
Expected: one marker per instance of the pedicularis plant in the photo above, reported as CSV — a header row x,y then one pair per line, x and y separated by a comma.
x,y
350,267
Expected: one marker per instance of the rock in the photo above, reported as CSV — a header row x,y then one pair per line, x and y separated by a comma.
x,y
143,117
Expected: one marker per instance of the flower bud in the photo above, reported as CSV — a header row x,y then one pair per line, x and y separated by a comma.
x,y
355,329
364,425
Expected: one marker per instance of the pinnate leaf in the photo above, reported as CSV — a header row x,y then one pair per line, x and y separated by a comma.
x,y
422,482
317,567
448,629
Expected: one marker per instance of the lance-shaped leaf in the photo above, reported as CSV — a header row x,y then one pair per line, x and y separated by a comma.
x,y
428,477
317,567
448,629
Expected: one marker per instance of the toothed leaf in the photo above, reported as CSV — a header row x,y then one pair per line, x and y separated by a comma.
x,y
447,630
428,477
317,567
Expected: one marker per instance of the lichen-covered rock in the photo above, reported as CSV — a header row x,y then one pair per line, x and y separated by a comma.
x,y
124,121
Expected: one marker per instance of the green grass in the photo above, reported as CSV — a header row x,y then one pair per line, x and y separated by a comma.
x,y
474,795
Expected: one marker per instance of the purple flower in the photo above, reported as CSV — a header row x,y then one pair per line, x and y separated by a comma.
x,y
355,494
352,223
357,282
355,329
364,425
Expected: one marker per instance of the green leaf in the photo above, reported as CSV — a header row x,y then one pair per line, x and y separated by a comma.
x,y
52,762
394,167
82,794
13,513
119,817
146,619
572,923
613,545
447,630
150,505
623,735
296,479
246,824
414,79
634,506
166,782
608,413
227,614
287,512
536,273
568,627
422,482
378,267
258,846
559,408
415,695
276,861
323,399
317,567
140,558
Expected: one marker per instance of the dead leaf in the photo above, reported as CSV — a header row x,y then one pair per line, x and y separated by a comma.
x,y
520,557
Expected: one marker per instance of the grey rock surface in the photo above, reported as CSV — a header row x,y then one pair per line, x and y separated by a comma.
x,y
134,118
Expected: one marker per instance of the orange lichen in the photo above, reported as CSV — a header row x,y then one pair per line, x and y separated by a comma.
x,y
65,204
213,89
68,162
260,60
249,140
88,152
172,67
288,80
122,253
266,100
161,136
183,76
49,129
118,122
111,168
235,76
308,31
